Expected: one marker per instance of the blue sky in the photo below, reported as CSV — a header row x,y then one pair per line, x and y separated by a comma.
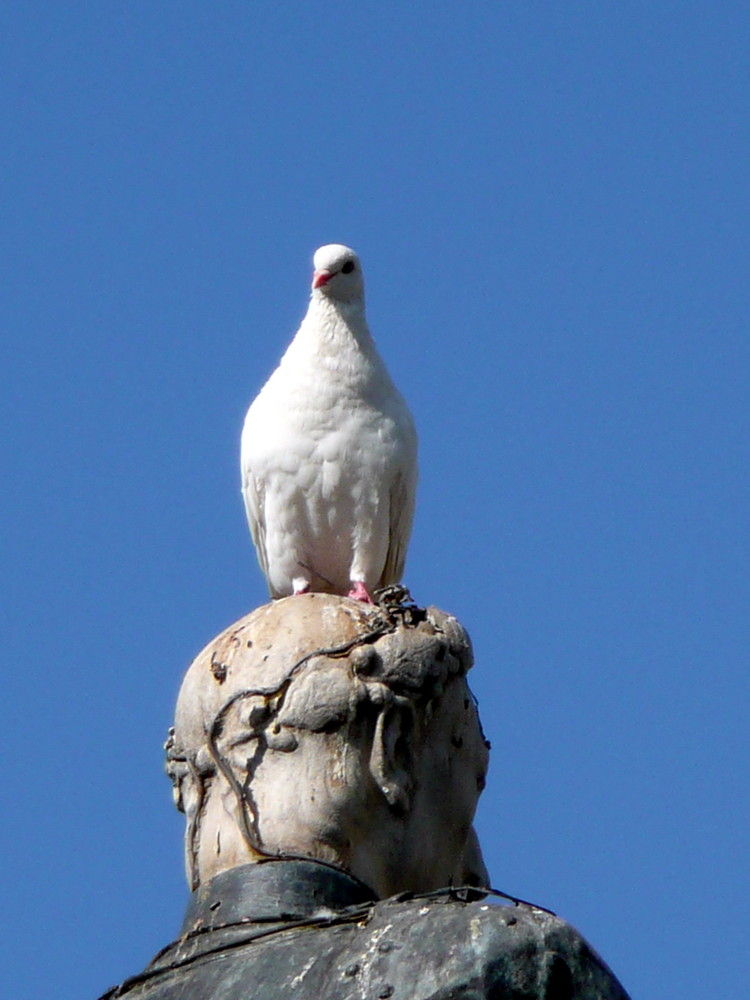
x,y
551,204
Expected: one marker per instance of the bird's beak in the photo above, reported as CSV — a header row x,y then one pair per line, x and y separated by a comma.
x,y
321,277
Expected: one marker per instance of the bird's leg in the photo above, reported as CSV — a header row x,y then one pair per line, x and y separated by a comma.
x,y
359,592
300,585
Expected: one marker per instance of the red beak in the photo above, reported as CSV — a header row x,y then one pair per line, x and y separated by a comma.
x,y
320,278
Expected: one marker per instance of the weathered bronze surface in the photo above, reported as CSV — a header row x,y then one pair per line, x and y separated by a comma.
x,y
303,929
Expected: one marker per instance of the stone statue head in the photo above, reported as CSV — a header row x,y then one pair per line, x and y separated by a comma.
x,y
324,728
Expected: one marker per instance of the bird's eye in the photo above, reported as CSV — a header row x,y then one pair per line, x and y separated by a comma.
x,y
348,267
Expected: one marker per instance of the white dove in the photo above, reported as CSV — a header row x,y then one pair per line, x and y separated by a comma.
x,y
329,451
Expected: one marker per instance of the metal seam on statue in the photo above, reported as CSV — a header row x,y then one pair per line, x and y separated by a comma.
x,y
464,894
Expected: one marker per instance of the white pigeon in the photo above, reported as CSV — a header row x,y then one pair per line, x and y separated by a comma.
x,y
329,451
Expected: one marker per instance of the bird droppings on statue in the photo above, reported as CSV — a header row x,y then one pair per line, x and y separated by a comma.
x,y
329,451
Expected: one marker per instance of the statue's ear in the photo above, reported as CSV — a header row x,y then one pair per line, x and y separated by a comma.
x,y
471,869
391,758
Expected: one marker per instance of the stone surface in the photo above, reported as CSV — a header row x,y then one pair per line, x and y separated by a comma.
x,y
322,727
298,929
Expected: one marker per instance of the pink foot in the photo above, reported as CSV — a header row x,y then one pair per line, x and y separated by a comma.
x,y
360,593
301,588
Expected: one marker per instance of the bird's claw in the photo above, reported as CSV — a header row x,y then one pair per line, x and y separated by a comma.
x,y
359,592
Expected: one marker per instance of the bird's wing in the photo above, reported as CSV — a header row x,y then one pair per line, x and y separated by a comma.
x,y
402,514
252,492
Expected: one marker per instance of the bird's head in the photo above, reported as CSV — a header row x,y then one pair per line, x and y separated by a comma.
x,y
337,273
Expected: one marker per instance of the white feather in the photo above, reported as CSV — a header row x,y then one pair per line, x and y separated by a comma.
x,y
329,450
